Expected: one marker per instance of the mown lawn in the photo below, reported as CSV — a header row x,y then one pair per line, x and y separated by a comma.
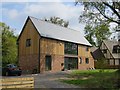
x,y
95,78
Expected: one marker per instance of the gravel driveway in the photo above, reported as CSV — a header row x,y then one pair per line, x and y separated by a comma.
x,y
51,80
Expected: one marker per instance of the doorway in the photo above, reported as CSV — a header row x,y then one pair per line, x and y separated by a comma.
x,y
48,61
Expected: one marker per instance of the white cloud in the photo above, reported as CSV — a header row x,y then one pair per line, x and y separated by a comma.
x,y
37,1
67,12
13,14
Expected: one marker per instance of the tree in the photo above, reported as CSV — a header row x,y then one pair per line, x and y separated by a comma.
x,y
100,32
98,12
98,16
57,20
9,47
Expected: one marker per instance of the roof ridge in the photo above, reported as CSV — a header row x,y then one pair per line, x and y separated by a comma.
x,y
56,24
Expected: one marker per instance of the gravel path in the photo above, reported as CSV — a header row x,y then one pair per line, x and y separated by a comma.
x,y
51,80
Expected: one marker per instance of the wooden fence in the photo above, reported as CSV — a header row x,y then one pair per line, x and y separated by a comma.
x,y
26,82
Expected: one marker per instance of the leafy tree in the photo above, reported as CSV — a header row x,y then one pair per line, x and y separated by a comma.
x,y
99,32
57,20
98,16
9,47
98,12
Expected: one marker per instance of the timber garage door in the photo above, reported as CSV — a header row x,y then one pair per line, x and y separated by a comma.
x,y
70,63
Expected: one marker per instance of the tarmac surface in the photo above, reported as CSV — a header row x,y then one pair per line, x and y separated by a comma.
x,y
52,80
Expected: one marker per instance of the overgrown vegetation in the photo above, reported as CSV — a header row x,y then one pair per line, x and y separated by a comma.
x,y
109,79
9,47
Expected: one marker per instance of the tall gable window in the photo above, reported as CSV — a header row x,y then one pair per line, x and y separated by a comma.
x,y
70,48
28,42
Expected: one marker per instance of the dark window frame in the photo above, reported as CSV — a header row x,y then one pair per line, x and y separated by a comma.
x,y
116,49
28,42
87,60
80,60
70,48
87,48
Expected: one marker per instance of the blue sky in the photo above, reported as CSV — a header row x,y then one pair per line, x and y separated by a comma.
x,y
14,14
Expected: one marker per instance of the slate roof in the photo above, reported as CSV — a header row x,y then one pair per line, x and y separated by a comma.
x,y
49,30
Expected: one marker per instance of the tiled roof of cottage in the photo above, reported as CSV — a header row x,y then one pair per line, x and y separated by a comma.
x,y
110,45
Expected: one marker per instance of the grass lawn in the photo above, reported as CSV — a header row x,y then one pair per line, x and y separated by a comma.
x,y
95,78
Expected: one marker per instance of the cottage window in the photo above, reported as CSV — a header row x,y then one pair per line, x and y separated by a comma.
x,y
28,42
70,48
119,49
114,49
117,62
111,62
87,60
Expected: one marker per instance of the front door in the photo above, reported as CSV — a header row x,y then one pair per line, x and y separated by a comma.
x,y
48,61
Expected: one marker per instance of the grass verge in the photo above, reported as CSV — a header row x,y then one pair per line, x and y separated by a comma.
x,y
95,78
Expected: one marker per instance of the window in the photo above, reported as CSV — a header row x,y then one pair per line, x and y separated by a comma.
x,y
87,48
116,49
111,62
80,60
70,48
119,49
28,42
87,60
71,63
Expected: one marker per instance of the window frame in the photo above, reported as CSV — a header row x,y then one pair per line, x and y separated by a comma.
x,y
80,60
70,48
87,48
87,60
28,42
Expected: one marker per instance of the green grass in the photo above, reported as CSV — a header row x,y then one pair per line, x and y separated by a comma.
x,y
95,78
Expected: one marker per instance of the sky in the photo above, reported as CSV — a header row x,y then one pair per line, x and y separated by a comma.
x,y
15,14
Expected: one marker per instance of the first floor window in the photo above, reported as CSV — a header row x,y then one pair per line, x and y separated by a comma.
x,y
87,48
70,48
28,42
87,60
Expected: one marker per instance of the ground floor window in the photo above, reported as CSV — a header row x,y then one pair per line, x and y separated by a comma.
x,y
111,62
116,62
87,60
70,63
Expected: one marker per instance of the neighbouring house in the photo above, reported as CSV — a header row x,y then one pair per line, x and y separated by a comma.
x,y
43,46
110,51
